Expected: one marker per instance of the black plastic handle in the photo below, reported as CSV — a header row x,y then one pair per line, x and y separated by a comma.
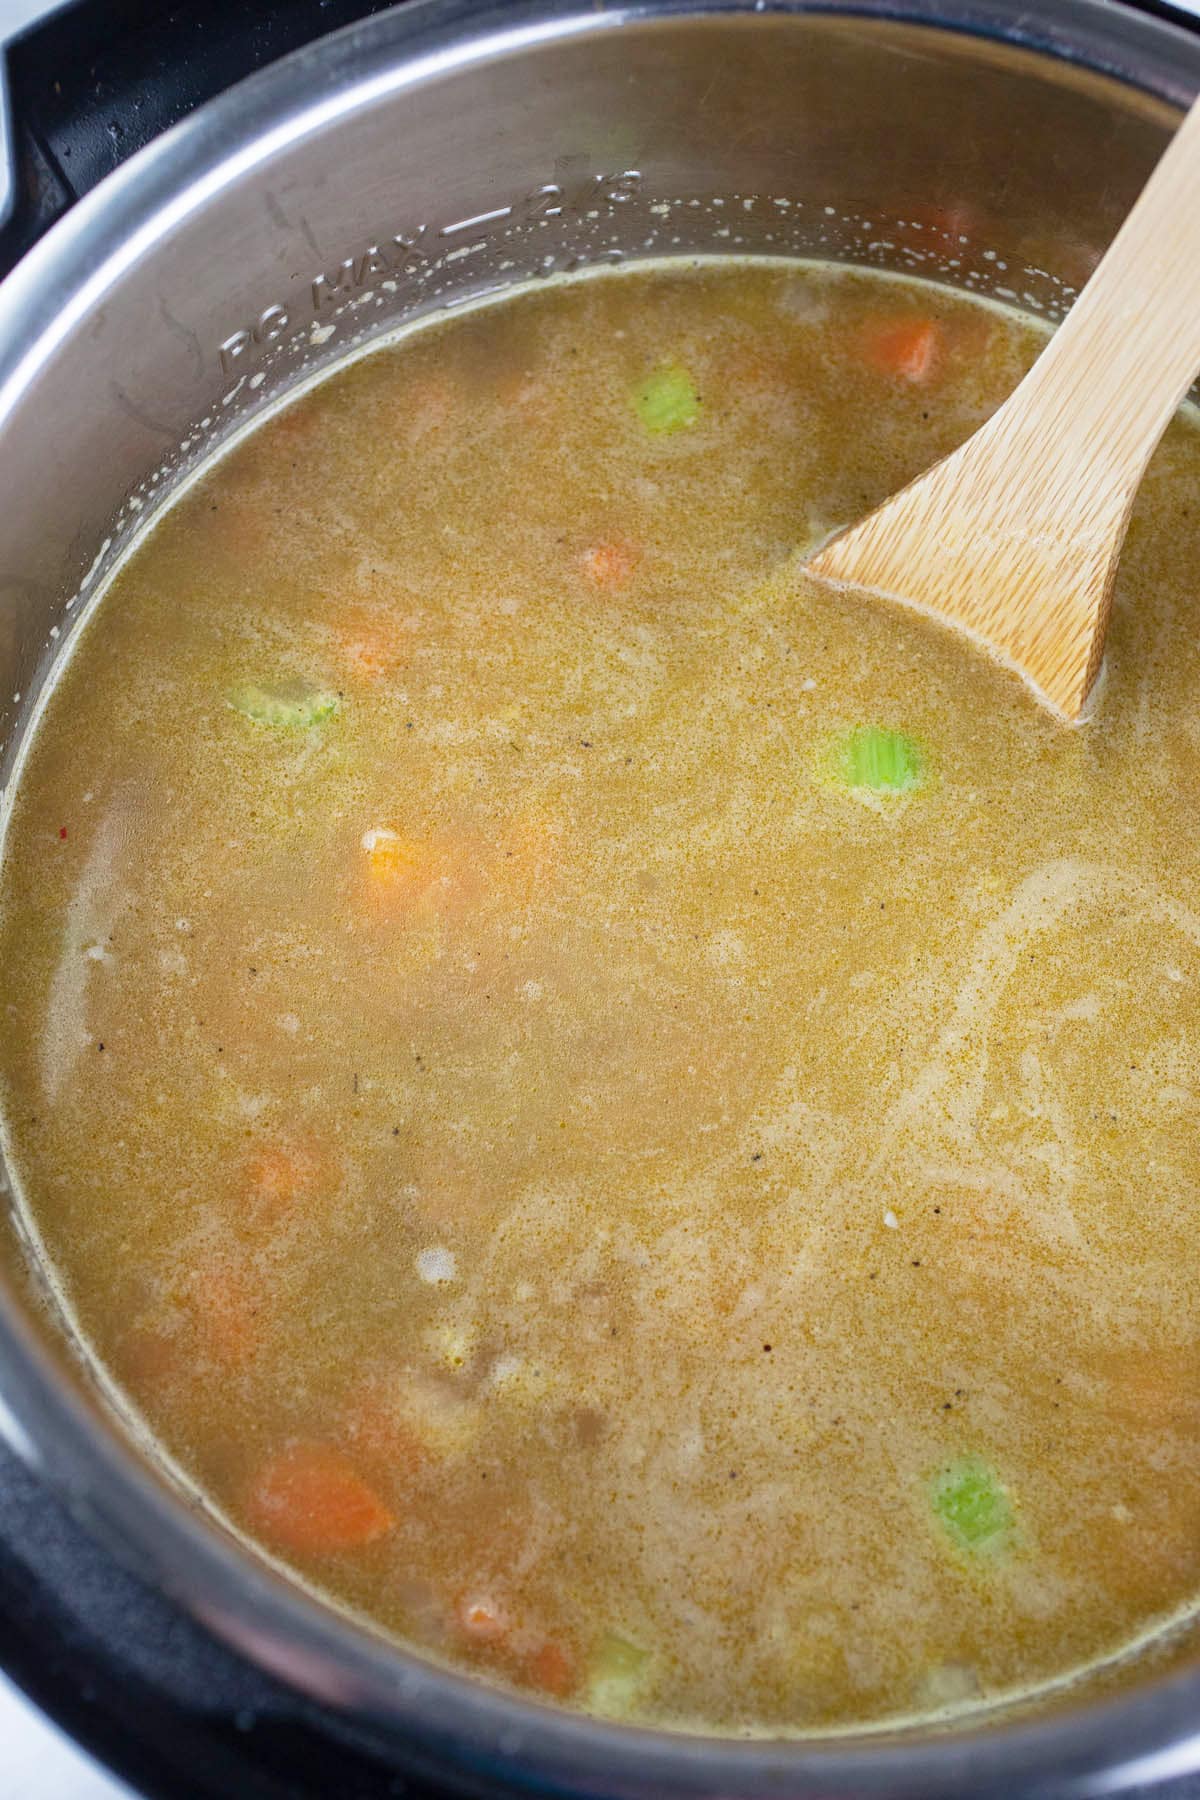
x,y
97,79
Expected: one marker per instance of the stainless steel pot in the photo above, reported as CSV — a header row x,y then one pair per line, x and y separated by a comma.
x,y
410,163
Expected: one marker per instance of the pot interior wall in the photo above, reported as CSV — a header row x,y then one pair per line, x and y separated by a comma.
x,y
390,191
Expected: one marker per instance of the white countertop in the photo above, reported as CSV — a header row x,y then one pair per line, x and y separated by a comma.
x,y
38,1763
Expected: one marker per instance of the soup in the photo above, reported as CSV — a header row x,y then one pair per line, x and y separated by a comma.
x,y
632,1119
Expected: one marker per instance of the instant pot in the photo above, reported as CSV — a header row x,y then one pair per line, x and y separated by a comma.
x,y
185,242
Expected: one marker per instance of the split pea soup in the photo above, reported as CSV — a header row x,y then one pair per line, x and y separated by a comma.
x,y
633,1120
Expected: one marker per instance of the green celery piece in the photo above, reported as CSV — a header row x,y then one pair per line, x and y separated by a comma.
x,y
290,704
666,400
616,1674
875,757
971,1505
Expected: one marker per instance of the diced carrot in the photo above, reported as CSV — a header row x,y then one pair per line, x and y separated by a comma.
x,y
908,350
406,875
309,1499
610,564
553,1669
402,874
482,1618
396,863
436,881
281,1176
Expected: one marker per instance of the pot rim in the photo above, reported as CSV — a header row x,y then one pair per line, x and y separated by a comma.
x,y
445,1720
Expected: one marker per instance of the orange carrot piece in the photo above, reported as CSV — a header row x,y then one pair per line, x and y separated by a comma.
x,y
401,875
396,863
482,1619
435,881
309,1499
610,564
909,350
406,875
553,1669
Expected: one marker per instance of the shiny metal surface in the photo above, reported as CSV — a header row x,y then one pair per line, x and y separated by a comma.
x,y
38,1763
412,162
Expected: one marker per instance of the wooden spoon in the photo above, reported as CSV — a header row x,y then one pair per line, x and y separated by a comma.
x,y
1015,537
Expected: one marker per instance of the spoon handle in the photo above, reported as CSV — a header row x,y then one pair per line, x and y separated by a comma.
x,y
1014,538
1103,391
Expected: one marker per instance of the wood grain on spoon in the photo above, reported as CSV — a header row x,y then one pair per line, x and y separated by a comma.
x,y
1015,537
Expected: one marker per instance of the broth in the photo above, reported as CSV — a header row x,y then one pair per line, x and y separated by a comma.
x,y
633,1118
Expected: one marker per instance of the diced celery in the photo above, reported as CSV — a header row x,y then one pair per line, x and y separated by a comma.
x,y
616,1674
875,757
971,1505
666,400
290,704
